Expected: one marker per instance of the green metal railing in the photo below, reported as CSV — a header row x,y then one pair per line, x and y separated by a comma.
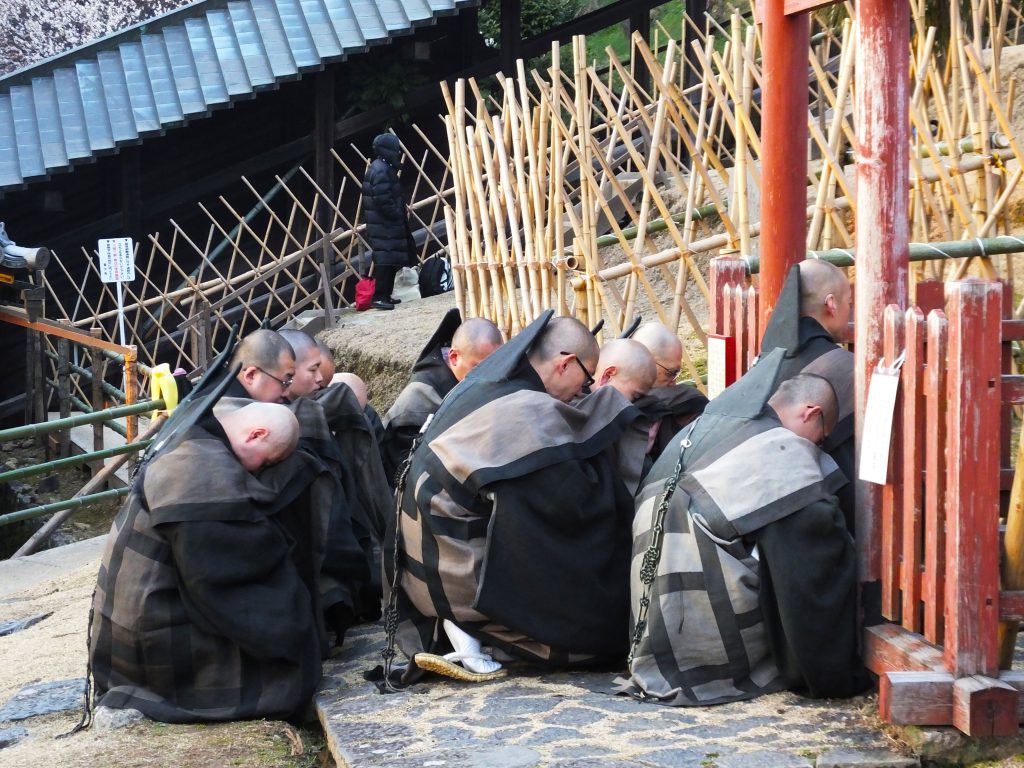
x,y
46,427
951,249
57,506
71,461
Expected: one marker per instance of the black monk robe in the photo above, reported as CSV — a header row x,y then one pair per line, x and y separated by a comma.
x,y
515,519
206,606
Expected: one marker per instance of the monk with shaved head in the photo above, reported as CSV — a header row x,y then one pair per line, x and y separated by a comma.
x,y
627,366
744,577
267,367
811,316
454,350
205,608
308,378
667,405
515,509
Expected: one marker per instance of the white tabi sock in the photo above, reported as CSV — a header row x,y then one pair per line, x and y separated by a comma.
x,y
468,651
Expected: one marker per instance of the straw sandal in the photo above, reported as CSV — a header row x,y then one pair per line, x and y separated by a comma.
x,y
445,665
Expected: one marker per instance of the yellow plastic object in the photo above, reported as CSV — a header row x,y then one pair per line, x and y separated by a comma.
x,y
162,386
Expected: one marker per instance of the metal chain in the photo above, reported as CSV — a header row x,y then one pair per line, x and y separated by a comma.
x,y
652,557
391,611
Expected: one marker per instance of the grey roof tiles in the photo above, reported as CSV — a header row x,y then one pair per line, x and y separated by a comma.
x,y
177,67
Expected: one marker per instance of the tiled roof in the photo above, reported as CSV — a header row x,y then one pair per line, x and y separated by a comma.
x,y
179,67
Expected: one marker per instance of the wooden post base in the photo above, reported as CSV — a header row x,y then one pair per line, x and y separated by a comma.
x,y
914,687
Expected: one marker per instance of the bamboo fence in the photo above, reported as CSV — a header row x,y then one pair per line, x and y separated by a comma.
x,y
600,192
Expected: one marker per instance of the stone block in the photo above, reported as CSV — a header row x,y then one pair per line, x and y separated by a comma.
x,y
10,736
16,625
44,699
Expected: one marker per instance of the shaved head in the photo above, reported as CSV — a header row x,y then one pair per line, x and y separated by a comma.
x,y
261,434
327,364
806,405
308,378
267,365
262,348
627,366
666,348
353,382
826,296
474,340
564,355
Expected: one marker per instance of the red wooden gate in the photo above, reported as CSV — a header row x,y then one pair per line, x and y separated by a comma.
x,y
939,549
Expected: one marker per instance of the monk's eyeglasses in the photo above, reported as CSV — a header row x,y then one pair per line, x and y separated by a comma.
x,y
285,383
588,379
672,372
824,434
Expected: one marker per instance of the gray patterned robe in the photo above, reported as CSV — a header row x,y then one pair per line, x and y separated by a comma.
x,y
515,517
754,590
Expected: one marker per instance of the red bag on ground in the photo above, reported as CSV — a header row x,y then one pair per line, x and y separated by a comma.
x,y
364,293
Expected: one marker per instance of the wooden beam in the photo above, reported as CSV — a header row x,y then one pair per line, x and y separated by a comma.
x,y
916,698
890,648
984,706
18,317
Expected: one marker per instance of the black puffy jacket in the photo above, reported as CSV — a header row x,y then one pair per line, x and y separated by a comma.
x,y
387,227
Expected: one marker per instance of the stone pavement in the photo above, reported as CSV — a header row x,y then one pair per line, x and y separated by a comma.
x,y
558,719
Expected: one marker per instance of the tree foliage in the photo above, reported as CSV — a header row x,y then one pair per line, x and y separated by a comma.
x,y
538,16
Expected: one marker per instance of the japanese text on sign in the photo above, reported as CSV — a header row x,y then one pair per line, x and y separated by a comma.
x,y
117,260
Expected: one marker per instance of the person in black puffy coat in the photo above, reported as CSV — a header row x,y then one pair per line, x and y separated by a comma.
x,y
387,226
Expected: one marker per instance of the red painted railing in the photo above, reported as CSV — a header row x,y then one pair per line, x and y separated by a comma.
x,y
937,659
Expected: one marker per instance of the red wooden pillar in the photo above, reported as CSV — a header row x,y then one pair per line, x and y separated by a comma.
x,y
882,127
784,138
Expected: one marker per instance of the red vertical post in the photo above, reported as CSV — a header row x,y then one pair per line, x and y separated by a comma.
x,y
913,429
973,395
784,159
883,132
753,337
933,590
892,492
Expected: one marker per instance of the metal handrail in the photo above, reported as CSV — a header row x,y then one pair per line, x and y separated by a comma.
x,y
57,506
82,458
35,430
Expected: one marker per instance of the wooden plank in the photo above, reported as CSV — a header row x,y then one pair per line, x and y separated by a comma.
x,y
933,578
890,648
892,492
739,319
1013,330
916,698
929,295
1011,605
53,328
984,706
753,339
1015,678
1012,389
913,429
972,445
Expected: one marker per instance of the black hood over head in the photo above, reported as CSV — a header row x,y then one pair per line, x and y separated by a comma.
x,y
388,148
